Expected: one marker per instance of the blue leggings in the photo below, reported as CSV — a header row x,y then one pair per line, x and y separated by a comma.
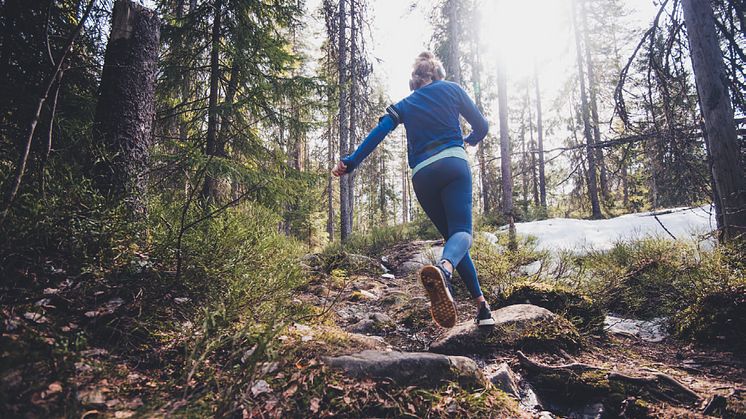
x,y
443,189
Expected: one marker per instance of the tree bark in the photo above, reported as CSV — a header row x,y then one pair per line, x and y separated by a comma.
x,y
532,149
345,211
540,143
592,89
126,105
330,182
212,148
592,186
453,29
353,104
711,79
505,170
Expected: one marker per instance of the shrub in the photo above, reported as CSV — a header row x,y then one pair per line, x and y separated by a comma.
x,y
498,268
654,277
719,316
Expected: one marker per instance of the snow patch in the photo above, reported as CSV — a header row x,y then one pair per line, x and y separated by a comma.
x,y
649,330
579,236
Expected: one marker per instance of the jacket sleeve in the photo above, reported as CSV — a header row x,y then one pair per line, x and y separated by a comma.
x,y
385,125
479,125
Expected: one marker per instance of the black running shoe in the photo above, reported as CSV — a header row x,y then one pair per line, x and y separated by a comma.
x,y
484,315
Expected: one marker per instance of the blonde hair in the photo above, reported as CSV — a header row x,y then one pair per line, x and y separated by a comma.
x,y
426,69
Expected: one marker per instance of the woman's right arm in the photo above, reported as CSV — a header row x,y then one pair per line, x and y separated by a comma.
x,y
479,125
349,163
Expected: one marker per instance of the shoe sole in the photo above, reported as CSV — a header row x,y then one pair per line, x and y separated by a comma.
x,y
486,322
442,307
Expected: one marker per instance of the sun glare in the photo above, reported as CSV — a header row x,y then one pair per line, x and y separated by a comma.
x,y
525,32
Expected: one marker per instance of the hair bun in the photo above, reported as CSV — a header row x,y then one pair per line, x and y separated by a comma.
x,y
426,69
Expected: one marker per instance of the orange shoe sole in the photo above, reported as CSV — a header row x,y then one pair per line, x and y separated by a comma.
x,y
442,307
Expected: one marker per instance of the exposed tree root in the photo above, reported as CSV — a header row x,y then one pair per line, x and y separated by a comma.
x,y
655,386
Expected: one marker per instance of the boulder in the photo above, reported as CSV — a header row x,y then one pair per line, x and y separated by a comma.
x,y
504,378
421,369
583,312
521,326
372,323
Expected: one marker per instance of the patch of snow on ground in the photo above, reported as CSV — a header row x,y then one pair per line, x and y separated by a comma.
x,y
650,330
581,235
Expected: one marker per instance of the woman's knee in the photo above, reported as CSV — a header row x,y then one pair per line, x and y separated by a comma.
x,y
463,236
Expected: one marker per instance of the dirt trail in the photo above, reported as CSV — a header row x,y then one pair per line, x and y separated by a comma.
x,y
394,311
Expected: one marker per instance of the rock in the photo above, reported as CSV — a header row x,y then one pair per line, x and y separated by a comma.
x,y
522,326
532,268
362,295
422,369
92,398
504,378
311,261
368,342
584,313
388,276
409,267
394,298
374,322
425,257
490,237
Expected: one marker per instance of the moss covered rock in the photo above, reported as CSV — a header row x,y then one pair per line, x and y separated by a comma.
x,y
521,326
582,311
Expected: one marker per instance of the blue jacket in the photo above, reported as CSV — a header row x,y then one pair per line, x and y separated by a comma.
x,y
430,116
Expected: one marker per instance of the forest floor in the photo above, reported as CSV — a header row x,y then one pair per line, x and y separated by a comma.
x,y
42,376
707,371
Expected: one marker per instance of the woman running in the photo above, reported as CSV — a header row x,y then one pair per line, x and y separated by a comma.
x,y
440,174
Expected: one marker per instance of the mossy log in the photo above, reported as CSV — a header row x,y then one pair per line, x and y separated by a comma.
x,y
577,378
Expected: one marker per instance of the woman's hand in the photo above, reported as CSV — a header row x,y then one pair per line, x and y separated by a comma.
x,y
340,169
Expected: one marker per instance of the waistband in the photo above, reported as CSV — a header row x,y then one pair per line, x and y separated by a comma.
x,y
456,151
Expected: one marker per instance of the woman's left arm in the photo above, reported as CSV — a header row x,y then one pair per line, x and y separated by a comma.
x,y
476,120
385,125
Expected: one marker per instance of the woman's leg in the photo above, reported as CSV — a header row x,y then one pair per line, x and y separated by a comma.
x,y
468,274
443,190
456,198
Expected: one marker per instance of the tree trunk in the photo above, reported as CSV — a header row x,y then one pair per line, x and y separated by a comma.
x,y
126,105
711,79
212,148
592,186
353,103
540,145
592,89
532,149
484,172
453,29
330,182
345,211
505,170
524,163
